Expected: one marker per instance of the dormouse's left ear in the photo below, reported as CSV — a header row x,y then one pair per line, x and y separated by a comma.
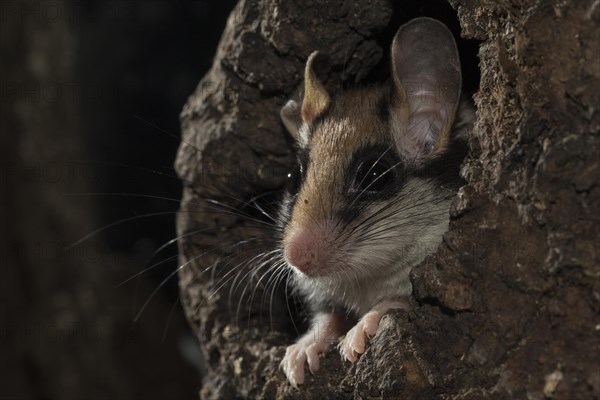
x,y
297,117
427,84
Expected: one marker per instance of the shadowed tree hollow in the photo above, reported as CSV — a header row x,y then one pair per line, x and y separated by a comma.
x,y
507,307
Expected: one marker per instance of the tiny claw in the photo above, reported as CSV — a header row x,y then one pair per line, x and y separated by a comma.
x,y
354,343
325,329
312,358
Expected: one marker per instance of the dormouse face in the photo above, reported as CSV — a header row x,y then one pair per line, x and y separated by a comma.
x,y
375,166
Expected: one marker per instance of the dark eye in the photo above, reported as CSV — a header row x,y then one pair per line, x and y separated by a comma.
x,y
374,175
292,183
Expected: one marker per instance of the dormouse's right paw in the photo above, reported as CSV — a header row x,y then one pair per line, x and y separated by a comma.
x,y
295,357
325,330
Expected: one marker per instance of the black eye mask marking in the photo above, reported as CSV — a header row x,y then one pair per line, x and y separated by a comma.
x,y
297,174
375,173
292,183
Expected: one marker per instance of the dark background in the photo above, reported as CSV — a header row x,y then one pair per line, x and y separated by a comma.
x,y
140,61
90,97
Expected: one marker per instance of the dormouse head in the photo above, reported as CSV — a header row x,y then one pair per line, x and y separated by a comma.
x,y
367,188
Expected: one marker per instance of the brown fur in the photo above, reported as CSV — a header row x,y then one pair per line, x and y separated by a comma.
x,y
350,123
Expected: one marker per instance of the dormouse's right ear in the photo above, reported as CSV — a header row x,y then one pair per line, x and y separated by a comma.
x,y
427,82
315,101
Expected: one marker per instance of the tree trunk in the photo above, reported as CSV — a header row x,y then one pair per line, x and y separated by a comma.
x,y
508,305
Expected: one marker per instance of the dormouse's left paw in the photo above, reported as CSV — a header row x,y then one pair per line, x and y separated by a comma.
x,y
305,351
355,341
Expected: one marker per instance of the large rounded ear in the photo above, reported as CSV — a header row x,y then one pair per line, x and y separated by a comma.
x,y
427,84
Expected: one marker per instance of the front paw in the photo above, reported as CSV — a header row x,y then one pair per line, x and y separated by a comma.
x,y
354,343
325,330
296,355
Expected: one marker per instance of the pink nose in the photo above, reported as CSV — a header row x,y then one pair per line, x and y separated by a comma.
x,y
301,249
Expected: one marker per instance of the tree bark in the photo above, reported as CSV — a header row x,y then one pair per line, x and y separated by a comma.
x,y
508,305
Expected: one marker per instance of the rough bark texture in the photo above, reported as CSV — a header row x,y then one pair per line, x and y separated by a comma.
x,y
508,306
